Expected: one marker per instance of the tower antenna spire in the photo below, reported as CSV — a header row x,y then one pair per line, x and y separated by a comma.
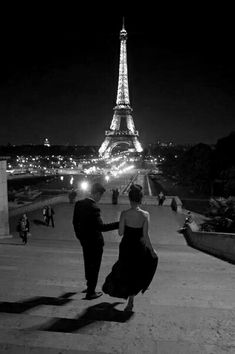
x,y
123,22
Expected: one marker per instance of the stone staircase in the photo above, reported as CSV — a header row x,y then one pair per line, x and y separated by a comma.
x,y
46,312
189,307
34,321
48,331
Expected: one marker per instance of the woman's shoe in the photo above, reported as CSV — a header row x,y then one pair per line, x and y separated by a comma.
x,y
94,295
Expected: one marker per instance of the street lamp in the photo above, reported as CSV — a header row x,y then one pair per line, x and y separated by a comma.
x,y
84,185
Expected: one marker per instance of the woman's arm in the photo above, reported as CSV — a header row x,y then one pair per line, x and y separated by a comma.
x,y
121,223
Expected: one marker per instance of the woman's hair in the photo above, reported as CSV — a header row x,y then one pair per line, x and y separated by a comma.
x,y
135,193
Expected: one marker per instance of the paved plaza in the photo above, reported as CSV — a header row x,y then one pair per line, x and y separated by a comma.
x,y
189,307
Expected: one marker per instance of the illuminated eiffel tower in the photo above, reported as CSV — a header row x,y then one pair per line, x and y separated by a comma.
x,y
122,116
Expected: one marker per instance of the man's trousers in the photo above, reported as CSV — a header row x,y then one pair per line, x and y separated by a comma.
x,y
92,255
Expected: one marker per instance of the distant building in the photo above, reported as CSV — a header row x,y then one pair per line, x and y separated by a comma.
x,y
46,142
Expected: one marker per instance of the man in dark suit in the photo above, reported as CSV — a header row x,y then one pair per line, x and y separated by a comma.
x,y
88,227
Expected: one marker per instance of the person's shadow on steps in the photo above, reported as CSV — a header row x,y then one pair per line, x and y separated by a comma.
x,y
25,305
99,312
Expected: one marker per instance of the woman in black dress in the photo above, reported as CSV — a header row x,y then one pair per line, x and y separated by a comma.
x,y
137,262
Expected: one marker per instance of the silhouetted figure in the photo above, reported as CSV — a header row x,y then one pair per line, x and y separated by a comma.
x,y
115,194
23,228
161,198
50,216
44,213
88,227
137,261
72,196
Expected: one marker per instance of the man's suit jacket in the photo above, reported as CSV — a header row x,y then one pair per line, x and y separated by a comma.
x,y
88,224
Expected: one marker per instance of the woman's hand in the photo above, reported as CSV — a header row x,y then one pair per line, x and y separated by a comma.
x,y
153,253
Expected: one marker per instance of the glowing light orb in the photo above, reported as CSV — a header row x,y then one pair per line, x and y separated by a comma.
x,y
84,185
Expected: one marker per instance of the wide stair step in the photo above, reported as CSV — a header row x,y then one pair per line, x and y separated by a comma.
x,y
14,341
85,328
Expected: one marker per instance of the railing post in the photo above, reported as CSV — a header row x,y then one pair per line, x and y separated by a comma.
x,y
4,221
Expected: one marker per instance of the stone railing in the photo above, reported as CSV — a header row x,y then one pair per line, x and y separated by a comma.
x,y
37,205
176,204
106,199
220,245
4,225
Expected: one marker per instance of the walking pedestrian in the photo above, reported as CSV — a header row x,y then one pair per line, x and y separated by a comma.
x,y
137,261
50,216
23,228
88,227
115,194
72,196
44,213
161,198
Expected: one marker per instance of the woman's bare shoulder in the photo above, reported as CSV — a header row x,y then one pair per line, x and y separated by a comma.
x,y
124,212
144,213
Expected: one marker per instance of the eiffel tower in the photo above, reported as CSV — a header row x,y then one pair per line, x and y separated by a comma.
x,y
122,116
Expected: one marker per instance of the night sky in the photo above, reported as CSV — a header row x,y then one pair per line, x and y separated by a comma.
x,y
59,74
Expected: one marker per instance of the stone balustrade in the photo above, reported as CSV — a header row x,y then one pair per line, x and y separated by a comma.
x,y
218,244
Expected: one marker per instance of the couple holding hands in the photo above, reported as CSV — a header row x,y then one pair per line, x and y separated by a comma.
x,y
137,261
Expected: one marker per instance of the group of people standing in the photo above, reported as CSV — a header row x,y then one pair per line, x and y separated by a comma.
x,y
137,261
48,215
23,225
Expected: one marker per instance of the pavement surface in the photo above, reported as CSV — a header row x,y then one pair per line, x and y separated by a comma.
x,y
189,307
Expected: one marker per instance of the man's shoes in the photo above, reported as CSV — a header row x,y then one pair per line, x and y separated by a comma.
x,y
84,291
94,295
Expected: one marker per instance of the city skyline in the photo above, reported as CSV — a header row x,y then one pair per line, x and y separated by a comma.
x,y
60,82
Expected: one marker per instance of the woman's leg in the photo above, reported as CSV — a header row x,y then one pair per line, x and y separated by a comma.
x,y
130,303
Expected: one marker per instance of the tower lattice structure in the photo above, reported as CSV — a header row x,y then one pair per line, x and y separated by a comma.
x,y
122,128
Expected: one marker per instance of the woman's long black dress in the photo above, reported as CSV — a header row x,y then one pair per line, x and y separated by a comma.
x,y
135,268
